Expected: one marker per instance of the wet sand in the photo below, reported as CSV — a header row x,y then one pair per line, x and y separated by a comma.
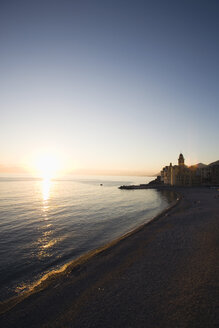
x,y
165,274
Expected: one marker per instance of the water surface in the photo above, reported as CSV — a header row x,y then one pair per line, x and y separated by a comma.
x,y
45,224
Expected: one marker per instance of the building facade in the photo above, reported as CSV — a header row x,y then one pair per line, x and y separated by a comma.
x,y
196,175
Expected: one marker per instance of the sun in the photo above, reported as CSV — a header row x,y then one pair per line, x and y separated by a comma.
x,y
47,166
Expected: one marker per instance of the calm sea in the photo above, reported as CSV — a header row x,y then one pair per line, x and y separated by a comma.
x,y
46,224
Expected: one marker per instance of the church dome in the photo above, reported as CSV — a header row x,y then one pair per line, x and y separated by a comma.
x,y
181,159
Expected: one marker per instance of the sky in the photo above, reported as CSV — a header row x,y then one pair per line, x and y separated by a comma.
x,y
108,86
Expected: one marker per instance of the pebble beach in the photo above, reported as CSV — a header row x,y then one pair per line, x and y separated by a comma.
x,y
163,274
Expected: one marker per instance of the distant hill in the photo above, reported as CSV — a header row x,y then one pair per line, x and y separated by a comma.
x,y
199,165
214,163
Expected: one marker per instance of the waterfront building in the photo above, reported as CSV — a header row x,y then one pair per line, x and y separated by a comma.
x,y
182,175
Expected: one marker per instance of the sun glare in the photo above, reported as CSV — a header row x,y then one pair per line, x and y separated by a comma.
x,y
46,184
47,166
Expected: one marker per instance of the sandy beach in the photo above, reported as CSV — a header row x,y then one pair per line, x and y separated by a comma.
x,y
164,274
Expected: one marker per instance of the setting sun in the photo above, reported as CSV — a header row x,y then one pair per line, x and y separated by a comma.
x,y
47,166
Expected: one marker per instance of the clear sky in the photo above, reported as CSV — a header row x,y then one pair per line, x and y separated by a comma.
x,y
109,85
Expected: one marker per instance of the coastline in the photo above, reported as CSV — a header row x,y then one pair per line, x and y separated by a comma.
x,y
47,280
106,269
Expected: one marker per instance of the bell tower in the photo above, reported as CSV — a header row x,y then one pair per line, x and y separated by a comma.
x,y
181,160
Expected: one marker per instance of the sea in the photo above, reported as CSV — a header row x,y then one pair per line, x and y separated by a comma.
x,y
45,224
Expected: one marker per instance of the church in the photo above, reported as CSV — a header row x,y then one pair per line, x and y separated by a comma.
x,y
196,175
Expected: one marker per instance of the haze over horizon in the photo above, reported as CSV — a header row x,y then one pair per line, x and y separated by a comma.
x,y
108,86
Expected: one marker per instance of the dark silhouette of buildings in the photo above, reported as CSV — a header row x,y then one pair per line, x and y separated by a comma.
x,y
195,175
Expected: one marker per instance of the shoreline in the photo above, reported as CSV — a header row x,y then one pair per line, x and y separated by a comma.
x,y
130,278
48,279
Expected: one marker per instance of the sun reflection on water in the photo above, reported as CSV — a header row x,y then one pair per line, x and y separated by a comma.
x,y
46,186
46,241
